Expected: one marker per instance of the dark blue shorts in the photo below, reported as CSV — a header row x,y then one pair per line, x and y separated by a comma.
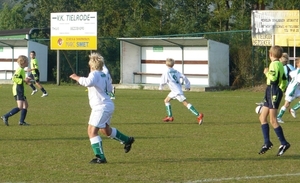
x,y
20,97
36,76
273,96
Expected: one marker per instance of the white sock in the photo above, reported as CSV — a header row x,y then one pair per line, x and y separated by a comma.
x,y
95,140
113,133
189,106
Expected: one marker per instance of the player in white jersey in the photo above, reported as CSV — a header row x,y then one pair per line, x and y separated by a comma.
x,y
112,93
98,85
286,66
172,78
292,92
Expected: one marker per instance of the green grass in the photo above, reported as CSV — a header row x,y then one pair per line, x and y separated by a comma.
x,y
56,148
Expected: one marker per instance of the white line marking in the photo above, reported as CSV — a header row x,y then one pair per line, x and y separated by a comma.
x,y
244,178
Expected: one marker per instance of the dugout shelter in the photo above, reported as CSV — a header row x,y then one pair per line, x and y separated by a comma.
x,y
205,62
14,43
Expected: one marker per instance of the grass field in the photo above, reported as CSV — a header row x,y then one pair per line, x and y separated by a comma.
x,y
55,148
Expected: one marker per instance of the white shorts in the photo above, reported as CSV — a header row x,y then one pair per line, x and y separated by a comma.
x,y
291,98
179,97
99,118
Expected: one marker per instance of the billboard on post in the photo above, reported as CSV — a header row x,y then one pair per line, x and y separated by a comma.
x,y
278,27
73,31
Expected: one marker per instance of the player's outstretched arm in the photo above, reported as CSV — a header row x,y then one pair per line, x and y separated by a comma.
x,y
74,77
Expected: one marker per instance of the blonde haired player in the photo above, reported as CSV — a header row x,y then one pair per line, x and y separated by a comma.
x,y
172,78
292,92
98,84
18,89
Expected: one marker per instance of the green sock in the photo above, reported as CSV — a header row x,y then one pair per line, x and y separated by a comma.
x,y
98,150
296,106
169,110
192,109
117,135
111,94
281,112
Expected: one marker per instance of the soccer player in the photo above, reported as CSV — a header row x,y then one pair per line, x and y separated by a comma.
x,y
98,85
286,66
276,84
292,92
35,75
19,82
172,78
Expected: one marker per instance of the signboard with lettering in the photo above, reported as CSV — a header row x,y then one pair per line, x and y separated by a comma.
x,y
278,27
74,31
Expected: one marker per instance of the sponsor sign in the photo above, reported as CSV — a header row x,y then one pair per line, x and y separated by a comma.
x,y
73,31
278,27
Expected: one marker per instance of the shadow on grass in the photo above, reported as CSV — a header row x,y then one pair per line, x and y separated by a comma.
x,y
86,138
260,158
46,139
158,123
203,159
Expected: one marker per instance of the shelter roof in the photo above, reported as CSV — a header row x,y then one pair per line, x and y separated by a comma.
x,y
14,38
163,41
19,37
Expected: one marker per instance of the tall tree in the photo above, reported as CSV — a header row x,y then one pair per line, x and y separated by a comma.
x,y
39,10
286,5
183,16
12,17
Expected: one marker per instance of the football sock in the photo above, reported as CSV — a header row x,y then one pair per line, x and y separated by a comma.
x,y
169,110
296,106
266,132
96,143
117,135
279,133
12,112
281,112
32,87
23,115
43,90
192,109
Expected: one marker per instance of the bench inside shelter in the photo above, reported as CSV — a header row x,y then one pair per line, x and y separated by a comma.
x,y
159,74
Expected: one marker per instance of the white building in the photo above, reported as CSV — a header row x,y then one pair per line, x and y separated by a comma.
x,y
204,62
15,43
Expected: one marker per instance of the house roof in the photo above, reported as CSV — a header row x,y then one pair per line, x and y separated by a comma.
x,y
177,41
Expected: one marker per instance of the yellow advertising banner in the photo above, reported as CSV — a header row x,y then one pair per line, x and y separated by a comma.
x,y
73,43
275,27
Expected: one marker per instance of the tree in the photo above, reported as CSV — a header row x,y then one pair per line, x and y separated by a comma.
x,y
12,17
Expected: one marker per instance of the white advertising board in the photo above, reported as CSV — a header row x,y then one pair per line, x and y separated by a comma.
x,y
74,31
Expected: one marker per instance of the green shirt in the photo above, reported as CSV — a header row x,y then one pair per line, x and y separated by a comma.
x,y
34,65
276,76
19,83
